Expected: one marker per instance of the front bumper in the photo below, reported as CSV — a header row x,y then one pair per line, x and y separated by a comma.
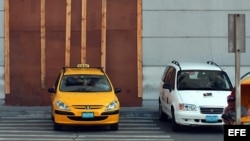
x,y
192,119
75,118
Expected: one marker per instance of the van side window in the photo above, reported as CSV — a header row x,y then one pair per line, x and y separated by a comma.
x,y
169,77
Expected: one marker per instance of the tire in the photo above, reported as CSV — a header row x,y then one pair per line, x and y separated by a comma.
x,y
161,114
57,127
175,126
51,114
221,128
114,127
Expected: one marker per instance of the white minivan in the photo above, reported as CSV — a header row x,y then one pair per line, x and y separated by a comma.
x,y
193,94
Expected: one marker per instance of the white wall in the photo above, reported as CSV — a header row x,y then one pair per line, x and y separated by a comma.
x,y
189,30
2,94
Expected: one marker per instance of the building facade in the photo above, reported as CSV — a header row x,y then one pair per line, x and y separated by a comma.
x,y
194,30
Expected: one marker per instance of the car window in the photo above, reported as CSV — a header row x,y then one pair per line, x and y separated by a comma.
x,y
167,76
57,81
84,83
203,80
170,77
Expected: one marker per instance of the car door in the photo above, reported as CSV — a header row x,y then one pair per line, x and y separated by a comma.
x,y
53,90
168,87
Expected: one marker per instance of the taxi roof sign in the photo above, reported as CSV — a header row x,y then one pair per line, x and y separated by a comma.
x,y
83,65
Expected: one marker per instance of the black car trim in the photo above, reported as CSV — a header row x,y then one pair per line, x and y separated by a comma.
x,y
63,112
111,112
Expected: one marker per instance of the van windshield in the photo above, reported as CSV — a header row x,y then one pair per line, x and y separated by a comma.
x,y
203,80
85,83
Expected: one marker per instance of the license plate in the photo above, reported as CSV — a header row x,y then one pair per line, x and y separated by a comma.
x,y
211,118
88,115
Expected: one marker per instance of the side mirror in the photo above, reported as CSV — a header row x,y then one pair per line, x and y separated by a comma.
x,y
51,90
118,90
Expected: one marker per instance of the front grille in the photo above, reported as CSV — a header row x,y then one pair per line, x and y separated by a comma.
x,y
87,107
209,110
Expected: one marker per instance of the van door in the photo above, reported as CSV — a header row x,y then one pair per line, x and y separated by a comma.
x,y
168,88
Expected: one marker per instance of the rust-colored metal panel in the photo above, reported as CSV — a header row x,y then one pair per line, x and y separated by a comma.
x,y
24,15
25,70
121,65
122,49
25,47
76,15
55,55
121,14
94,47
55,18
93,15
25,87
75,51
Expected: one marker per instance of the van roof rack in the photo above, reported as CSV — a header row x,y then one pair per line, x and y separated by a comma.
x,y
176,63
213,63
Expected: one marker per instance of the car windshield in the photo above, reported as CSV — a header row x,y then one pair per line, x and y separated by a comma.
x,y
203,80
85,83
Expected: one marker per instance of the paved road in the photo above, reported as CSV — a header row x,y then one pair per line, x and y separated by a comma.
x,y
34,124
29,125
19,123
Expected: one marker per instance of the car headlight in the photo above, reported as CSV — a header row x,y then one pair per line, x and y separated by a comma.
x,y
187,107
61,105
112,105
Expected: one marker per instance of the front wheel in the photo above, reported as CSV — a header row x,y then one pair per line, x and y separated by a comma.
x,y
57,127
221,128
114,127
175,126
161,114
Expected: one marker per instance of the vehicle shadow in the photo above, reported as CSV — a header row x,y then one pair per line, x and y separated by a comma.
x,y
85,128
166,126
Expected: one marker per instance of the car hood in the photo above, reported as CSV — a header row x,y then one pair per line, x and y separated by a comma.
x,y
87,98
205,98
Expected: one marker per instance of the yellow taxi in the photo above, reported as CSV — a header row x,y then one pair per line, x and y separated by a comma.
x,y
84,95
245,97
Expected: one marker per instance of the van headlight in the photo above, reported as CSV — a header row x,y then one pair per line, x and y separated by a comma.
x,y
112,105
61,105
187,107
